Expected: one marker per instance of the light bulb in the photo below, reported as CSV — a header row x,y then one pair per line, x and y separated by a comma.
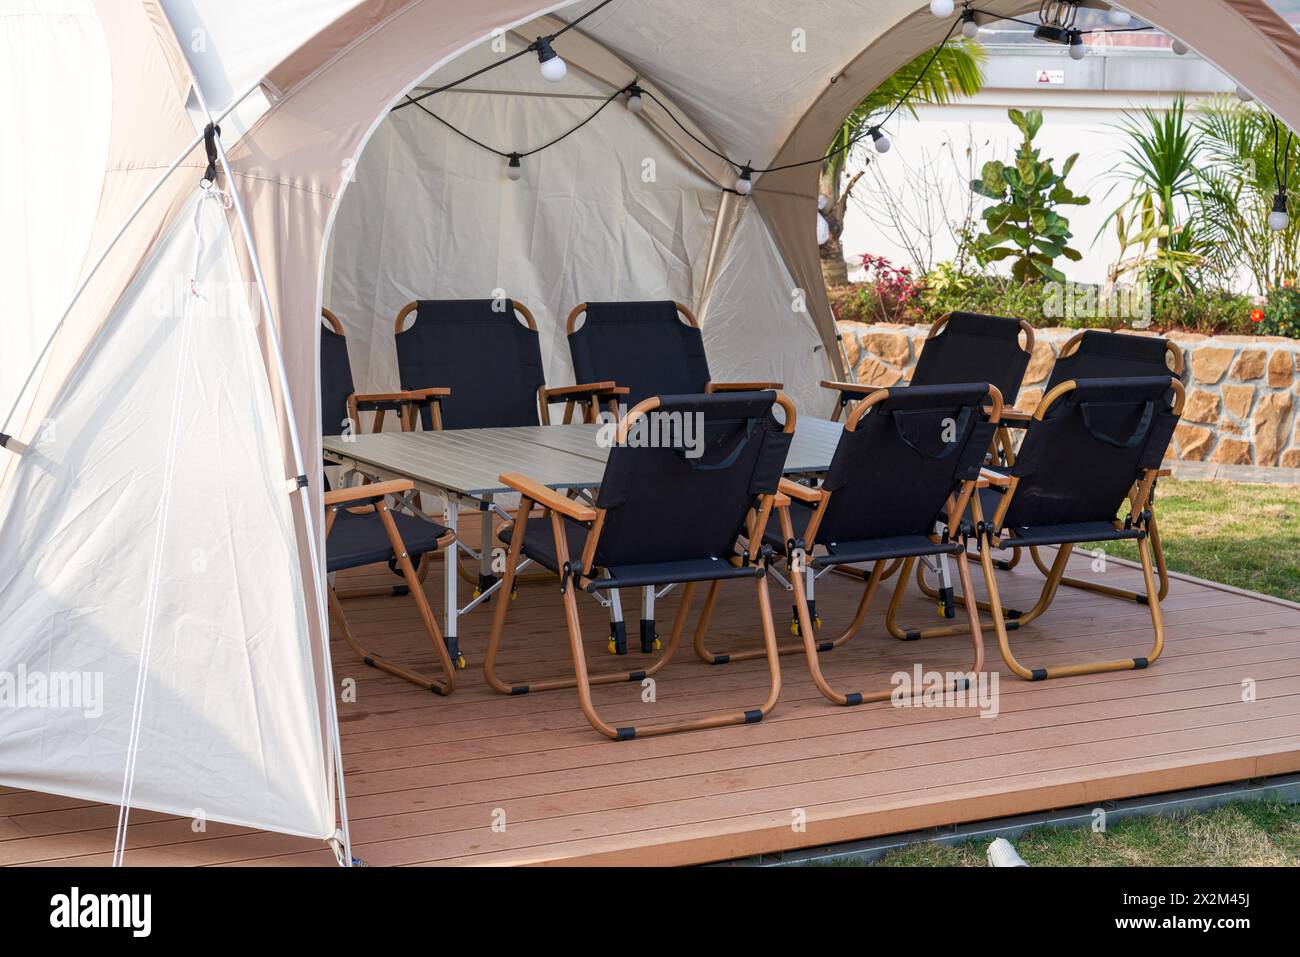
x,y
634,102
1077,50
941,8
1278,220
1180,48
513,170
1244,94
743,183
969,28
879,140
823,230
1119,18
553,68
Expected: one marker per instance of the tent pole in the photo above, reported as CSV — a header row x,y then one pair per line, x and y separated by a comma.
x,y
76,295
300,490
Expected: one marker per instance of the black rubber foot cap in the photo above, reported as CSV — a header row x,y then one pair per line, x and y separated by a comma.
x,y
519,689
852,698
721,659
1040,674
1142,599
636,676
400,591
826,646
911,635
753,717
1140,663
1011,613
626,734
961,684
369,661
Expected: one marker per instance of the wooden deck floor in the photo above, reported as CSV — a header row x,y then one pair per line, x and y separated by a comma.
x,y
427,777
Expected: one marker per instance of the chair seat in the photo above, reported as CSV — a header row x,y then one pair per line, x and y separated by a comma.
x,y
843,553
539,545
879,549
1069,534
357,540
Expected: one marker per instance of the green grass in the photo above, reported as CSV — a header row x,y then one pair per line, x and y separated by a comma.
x,y
1241,535
1243,834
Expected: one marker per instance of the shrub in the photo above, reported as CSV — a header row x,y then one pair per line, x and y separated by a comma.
x,y
1281,313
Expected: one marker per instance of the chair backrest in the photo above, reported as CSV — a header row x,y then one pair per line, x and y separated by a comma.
x,y
902,454
1089,441
491,361
686,495
336,385
969,347
1097,354
643,346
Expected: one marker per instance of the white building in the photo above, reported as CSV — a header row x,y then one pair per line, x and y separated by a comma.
x,y
1083,101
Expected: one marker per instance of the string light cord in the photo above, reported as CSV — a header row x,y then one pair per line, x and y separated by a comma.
x,y
541,46
504,154
531,48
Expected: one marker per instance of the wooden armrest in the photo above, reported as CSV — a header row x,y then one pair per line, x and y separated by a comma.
x,y
742,386
587,388
375,490
397,398
854,388
548,497
1164,473
802,492
1011,415
989,477
418,394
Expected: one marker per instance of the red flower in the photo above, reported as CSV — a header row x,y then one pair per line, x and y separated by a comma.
x,y
1257,315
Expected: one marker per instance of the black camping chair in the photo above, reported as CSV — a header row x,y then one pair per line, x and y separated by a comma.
x,y
360,529
961,347
1096,354
1092,444
486,356
905,458
649,348
667,512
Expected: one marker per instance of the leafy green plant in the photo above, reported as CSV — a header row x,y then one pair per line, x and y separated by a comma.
x,y
1023,225
1154,224
1281,313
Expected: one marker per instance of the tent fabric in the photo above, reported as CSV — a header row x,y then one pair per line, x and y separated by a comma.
x,y
583,223
50,51
155,505
764,85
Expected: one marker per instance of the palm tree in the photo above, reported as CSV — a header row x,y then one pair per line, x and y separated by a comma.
x,y
1239,179
956,71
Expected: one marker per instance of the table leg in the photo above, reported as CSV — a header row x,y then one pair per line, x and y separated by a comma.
x,y
453,606
649,638
486,577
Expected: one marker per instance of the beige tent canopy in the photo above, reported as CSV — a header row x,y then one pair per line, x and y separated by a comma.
x,y
152,528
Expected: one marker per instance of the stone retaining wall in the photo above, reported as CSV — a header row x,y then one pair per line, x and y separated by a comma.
x,y
1241,390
